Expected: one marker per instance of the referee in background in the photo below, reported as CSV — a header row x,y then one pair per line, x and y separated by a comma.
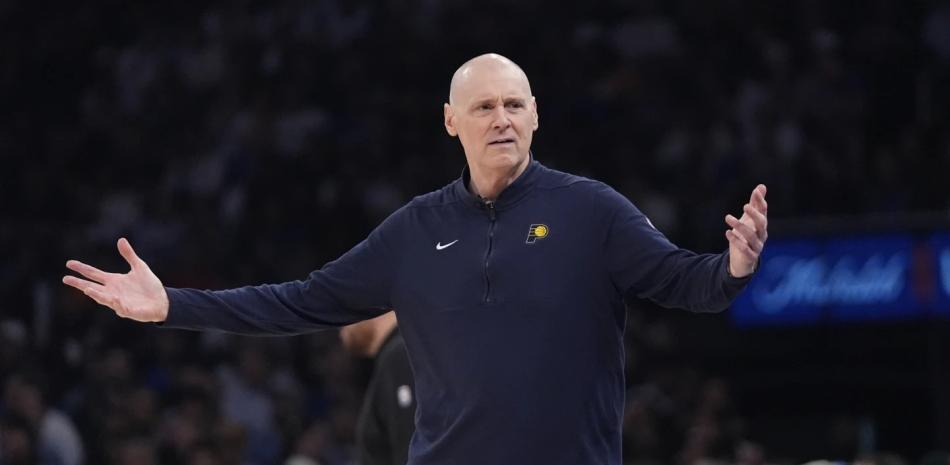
x,y
386,422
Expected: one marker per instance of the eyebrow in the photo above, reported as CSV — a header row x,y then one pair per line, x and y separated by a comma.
x,y
492,99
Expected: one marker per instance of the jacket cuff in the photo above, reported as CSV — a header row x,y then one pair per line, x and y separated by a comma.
x,y
177,316
731,282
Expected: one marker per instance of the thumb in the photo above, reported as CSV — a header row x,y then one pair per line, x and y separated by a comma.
x,y
125,249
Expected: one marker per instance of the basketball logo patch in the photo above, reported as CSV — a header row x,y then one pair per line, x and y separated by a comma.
x,y
537,231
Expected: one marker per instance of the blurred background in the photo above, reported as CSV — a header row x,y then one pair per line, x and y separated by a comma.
x,y
246,142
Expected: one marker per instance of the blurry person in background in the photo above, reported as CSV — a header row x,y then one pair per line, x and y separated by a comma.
x,y
880,458
750,453
134,451
386,421
101,403
231,440
310,446
17,441
204,454
187,424
13,346
248,391
57,441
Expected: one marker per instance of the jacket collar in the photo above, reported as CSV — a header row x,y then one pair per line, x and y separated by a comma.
x,y
509,196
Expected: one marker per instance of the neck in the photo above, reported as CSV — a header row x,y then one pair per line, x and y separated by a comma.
x,y
488,184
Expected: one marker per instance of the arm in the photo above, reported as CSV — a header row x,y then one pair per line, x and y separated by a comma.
x,y
356,286
642,261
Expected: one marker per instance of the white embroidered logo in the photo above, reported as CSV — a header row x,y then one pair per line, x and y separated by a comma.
x,y
439,246
404,396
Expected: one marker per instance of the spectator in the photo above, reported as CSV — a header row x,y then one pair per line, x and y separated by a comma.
x,y
57,441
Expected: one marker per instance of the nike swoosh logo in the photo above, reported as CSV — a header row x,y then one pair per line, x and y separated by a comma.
x,y
439,246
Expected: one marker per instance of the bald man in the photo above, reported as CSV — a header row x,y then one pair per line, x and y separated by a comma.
x,y
508,284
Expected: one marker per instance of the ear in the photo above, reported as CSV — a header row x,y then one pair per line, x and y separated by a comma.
x,y
449,116
534,109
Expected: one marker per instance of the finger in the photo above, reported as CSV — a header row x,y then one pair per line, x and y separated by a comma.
x,y
752,241
762,206
101,297
88,271
739,244
81,284
758,198
746,232
735,239
759,219
125,249
736,223
732,221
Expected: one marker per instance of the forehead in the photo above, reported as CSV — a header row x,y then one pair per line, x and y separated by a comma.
x,y
479,83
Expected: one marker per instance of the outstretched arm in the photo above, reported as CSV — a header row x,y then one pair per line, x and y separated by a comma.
x,y
137,295
642,261
344,291
354,287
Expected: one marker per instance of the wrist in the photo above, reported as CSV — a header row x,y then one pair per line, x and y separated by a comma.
x,y
743,271
736,274
164,307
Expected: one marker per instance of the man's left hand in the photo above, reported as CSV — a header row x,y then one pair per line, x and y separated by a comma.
x,y
748,234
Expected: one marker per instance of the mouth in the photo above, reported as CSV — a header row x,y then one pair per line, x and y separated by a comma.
x,y
504,141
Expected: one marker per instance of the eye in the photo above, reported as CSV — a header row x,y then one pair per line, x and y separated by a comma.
x,y
485,106
517,105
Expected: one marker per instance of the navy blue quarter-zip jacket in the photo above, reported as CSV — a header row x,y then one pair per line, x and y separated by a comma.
x,y
512,312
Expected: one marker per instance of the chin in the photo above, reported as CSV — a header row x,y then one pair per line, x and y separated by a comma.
x,y
504,160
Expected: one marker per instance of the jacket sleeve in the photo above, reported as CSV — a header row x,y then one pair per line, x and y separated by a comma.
x,y
354,287
643,262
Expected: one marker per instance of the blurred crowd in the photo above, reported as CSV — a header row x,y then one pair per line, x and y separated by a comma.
x,y
246,142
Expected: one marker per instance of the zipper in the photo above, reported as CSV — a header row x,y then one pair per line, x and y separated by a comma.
x,y
490,205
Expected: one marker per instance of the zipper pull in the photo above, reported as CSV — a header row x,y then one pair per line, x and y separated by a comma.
x,y
491,209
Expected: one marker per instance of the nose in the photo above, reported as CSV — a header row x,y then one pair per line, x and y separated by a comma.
x,y
500,119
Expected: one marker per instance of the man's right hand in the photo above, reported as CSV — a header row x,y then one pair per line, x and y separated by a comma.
x,y
137,295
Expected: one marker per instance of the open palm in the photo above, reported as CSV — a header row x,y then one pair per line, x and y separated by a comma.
x,y
137,295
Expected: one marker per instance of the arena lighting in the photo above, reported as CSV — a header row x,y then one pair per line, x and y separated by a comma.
x,y
848,279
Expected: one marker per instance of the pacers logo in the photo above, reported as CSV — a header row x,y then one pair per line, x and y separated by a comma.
x,y
537,231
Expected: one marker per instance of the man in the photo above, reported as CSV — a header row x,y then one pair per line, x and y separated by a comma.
x,y
57,439
508,286
17,441
386,421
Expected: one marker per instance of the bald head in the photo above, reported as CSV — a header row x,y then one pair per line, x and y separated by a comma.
x,y
483,67
492,112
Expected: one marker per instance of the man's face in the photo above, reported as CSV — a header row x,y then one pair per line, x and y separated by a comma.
x,y
493,114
